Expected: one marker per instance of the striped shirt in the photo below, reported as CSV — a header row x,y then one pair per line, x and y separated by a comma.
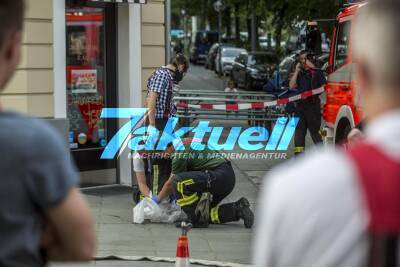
x,y
161,82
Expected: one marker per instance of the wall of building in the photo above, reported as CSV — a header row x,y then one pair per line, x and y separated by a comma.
x,y
31,89
153,39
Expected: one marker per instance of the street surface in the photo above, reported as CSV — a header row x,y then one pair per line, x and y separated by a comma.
x,y
199,78
112,210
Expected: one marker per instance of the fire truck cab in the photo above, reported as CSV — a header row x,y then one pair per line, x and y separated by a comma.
x,y
343,106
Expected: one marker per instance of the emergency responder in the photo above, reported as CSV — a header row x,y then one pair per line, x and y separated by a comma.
x,y
160,91
313,39
306,77
201,179
152,170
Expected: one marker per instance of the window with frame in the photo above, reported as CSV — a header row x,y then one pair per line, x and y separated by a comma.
x,y
86,83
342,44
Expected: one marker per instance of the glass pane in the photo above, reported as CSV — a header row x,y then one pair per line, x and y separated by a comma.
x,y
342,44
85,76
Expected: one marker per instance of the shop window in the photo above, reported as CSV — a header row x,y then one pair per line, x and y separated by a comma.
x,y
86,92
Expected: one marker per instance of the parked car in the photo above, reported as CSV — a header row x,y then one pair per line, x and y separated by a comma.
x,y
264,45
212,54
323,61
225,59
201,44
177,34
263,40
252,70
218,56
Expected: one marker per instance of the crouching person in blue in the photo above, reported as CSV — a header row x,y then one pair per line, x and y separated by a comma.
x,y
200,181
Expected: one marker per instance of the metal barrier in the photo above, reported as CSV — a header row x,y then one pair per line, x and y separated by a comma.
x,y
207,98
215,92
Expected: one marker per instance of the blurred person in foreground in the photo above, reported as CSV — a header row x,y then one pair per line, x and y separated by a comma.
x,y
43,216
342,207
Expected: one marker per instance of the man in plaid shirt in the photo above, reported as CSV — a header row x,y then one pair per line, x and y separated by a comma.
x,y
160,91
161,106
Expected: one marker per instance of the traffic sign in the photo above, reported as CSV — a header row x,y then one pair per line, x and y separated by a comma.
x,y
219,6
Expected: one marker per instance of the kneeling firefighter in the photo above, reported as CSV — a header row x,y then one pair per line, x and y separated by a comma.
x,y
201,179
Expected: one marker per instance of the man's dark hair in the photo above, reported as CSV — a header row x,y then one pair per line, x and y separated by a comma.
x,y
310,55
12,17
302,52
180,59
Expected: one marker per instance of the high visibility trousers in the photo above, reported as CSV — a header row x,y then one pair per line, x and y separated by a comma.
x,y
189,187
309,114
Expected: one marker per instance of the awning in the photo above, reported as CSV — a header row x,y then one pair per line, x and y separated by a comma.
x,y
122,1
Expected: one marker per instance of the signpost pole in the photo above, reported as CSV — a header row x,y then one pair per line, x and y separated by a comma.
x,y
219,27
219,6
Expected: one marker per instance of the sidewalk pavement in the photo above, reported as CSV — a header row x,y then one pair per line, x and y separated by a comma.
x,y
112,210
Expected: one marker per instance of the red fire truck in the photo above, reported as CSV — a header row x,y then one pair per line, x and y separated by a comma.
x,y
343,108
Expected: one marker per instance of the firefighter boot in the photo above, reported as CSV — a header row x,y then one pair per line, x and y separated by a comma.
x,y
244,212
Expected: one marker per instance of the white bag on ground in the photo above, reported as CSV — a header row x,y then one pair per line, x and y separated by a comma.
x,y
138,212
165,212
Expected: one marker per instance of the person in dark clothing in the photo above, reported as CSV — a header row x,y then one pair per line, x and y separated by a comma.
x,y
178,49
306,77
314,42
201,179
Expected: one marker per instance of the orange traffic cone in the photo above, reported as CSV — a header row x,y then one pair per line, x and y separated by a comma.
x,y
182,250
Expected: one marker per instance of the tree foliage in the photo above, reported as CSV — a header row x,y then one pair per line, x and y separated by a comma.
x,y
279,15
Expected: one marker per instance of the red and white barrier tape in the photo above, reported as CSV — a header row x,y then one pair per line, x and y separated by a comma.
x,y
255,105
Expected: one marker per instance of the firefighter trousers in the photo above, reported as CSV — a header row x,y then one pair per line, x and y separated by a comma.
x,y
309,114
189,187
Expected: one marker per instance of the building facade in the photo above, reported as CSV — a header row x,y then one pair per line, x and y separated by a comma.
x,y
80,56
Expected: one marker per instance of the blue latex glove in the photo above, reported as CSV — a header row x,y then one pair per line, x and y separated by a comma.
x,y
155,199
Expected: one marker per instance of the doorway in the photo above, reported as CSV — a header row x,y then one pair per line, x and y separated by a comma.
x,y
91,56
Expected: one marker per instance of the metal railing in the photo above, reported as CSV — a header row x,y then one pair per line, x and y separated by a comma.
x,y
253,116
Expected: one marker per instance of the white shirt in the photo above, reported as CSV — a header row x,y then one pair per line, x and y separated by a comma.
x,y
138,162
311,210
